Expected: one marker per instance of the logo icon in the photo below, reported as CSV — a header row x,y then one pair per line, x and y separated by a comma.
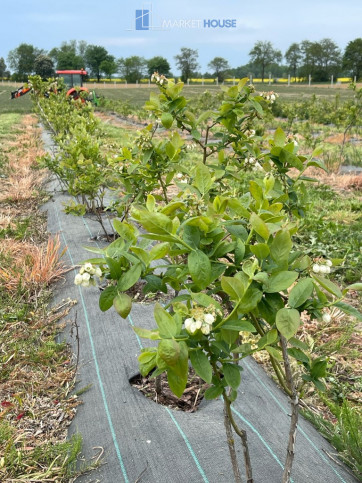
x,y
143,19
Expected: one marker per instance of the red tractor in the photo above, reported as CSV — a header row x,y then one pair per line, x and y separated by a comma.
x,y
73,80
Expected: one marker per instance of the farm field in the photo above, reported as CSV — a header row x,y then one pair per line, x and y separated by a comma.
x,y
111,151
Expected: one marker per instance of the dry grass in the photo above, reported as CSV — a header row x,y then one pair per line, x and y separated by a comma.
x,y
31,267
23,180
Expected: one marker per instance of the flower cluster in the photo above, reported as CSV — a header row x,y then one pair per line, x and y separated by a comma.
x,y
159,79
252,163
201,319
291,138
250,132
181,178
251,87
86,275
269,96
322,268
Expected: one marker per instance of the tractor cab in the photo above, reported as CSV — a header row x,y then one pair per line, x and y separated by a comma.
x,y
72,79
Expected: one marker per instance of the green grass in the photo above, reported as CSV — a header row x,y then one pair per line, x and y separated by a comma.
x,y
138,95
22,105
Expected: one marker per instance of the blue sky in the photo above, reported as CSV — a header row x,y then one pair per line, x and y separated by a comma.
x,y
110,23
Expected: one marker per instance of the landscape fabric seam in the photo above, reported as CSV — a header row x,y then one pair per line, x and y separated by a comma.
x,y
104,397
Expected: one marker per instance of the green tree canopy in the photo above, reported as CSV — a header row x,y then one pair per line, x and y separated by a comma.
x,y
158,64
94,56
132,68
320,59
186,61
70,55
22,59
263,54
43,66
352,58
293,56
219,67
2,67
109,66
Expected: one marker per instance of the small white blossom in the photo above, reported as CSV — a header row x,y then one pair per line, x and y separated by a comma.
x,y
329,263
209,319
85,283
198,324
179,175
78,279
316,268
205,329
98,272
86,276
88,267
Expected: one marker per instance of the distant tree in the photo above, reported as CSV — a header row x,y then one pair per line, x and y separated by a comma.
x,y
158,64
320,59
187,62
94,56
352,58
70,55
43,66
132,68
293,56
219,66
109,66
2,67
241,71
22,59
263,54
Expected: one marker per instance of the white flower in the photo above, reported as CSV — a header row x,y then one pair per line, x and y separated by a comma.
x,y
326,318
86,276
78,279
198,324
324,269
98,272
88,267
81,271
85,283
193,327
329,263
316,268
205,329
272,97
209,319
327,269
179,175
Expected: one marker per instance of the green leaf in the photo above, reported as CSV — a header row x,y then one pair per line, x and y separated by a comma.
x,y
233,287
269,338
250,300
124,230
122,304
280,281
355,286
349,310
232,375
318,369
202,180
261,250
177,374
147,361
288,322
256,191
167,120
106,298
298,354
165,322
154,222
159,250
279,137
301,292
213,392
318,164
275,353
239,325
147,334
239,251
200,268
169,351
329,286
129,278
205,300
196,134
201,364
281,246
115,268
151,203
259,226
298,343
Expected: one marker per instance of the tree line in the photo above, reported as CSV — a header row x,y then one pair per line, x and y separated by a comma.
x,y
320,59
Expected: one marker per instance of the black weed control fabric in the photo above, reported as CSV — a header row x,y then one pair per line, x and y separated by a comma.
x,y
145,442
